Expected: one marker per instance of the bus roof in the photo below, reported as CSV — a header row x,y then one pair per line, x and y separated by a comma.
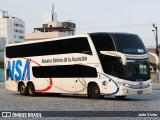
x,y
61,38
49,39
110,33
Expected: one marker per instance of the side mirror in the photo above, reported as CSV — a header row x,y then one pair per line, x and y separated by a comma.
x,y
115,54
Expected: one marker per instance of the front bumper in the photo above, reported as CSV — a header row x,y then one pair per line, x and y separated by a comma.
x,y
124,91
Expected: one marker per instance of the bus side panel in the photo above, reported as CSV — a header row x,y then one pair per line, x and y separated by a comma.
x,y
110,87
49,85
11,85
14,73
68,85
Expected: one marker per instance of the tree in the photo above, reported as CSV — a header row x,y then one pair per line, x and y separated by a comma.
x,y
1,64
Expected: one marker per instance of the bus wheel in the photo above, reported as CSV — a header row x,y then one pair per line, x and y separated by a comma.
x,y
22,89
31,89
94,91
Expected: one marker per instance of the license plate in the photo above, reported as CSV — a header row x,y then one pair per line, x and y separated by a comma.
x,y
140,92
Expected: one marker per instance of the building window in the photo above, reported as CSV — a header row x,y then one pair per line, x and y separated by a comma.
x,y
18,37
18,31
15,24
18,25
15,30
21,25
21,37
16,42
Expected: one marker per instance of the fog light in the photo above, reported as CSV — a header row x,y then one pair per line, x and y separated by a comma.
x,y
126,91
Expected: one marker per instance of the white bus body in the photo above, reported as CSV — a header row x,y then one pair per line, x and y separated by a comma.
x,y
77,65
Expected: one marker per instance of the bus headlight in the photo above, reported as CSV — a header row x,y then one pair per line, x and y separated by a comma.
x,y
136,86
125,84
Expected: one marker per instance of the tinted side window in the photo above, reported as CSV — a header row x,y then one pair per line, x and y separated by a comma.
x,y
112,65
76,45
81,45
64,71
103,43
73,45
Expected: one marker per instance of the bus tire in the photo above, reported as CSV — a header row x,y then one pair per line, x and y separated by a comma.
x,y
22,89
31,89
94,91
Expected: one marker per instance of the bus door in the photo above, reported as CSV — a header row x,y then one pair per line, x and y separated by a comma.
x,y
84,74
68,79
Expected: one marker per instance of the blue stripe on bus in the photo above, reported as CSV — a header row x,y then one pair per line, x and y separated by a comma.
x,y
114,83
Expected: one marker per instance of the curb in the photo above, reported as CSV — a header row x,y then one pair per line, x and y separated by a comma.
x,y
156,86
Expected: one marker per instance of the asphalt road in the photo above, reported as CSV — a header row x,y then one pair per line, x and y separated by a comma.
x,y
13,101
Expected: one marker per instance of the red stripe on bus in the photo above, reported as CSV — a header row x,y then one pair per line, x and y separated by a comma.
x,y
42,90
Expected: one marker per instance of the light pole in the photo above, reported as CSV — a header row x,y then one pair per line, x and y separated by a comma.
x,y
156,37
157,51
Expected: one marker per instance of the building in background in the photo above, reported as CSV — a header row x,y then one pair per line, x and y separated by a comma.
x,y
12,28
2,47
51,28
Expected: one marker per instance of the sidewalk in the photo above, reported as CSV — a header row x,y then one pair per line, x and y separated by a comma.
x,y
156,86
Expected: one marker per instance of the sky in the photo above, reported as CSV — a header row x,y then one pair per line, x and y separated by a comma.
x,y
131,16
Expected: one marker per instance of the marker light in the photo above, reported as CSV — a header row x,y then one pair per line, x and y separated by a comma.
x,y
126,91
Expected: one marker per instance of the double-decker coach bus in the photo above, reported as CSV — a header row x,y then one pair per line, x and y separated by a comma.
x,y
96,64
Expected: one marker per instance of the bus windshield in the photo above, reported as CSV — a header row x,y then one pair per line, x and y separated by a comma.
x,y
138,70
129,44
135,70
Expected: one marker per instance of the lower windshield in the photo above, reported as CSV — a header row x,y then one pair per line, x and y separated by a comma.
x,y
137,70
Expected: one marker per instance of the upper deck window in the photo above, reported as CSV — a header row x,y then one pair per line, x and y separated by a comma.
x,y
65,46
103,42
129,44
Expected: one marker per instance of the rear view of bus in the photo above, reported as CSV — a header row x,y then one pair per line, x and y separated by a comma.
x,y
124,60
